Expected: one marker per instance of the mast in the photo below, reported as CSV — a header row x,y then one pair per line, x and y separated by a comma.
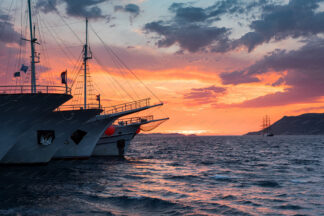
x,y
85,59
269,125
32,45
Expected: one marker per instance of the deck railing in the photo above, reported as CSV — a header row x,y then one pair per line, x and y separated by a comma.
x,y
26,89
126,106
134,120
77,107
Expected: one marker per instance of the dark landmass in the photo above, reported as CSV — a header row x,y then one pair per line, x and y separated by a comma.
x,y
305,124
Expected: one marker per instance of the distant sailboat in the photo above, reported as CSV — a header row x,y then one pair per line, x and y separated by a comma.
x,y
266,127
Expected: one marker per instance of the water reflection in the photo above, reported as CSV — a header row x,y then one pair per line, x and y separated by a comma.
x,y
199,175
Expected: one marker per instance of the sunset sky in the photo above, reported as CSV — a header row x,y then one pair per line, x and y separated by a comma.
x,y
218,65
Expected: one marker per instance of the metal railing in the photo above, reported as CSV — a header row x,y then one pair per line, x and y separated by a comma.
x,y
77,107
126,106
134,120
26,89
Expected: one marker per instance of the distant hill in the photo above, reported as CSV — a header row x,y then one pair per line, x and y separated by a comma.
x,y
305,124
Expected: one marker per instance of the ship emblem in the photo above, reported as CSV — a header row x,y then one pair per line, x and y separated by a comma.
x,y
45,138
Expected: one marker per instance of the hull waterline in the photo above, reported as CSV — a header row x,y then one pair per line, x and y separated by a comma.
x,y
118,143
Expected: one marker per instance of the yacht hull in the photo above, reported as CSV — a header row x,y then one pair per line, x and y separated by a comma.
x,y
118,143
18,112
93,130
42,140
84,148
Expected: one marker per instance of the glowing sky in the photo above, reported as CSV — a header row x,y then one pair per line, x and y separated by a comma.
x,y
219,65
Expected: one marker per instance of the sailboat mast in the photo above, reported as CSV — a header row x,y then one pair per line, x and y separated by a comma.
x,y
85,59
32,45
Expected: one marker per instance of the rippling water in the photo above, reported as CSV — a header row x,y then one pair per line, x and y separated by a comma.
x,y
177,176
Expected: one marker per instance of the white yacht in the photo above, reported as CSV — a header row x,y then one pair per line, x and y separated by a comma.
x,y
46,129
116,139
22,105
81,143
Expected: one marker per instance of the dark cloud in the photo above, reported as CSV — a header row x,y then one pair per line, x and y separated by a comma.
x,y
279,82
188,14
4,17
296,19
8,34
75,8
304,75
47,6
204,95
237,77
192,28
129,8
84,8
8,53
192,37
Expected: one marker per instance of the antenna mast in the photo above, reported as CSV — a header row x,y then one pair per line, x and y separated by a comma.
x,y
85,59
32,45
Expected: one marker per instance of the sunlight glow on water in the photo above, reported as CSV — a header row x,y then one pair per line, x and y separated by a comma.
x,y
177,176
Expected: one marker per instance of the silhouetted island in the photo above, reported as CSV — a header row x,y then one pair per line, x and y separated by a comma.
x,y
305,124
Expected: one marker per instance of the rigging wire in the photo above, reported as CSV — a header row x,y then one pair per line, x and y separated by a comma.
x,y
67,24
66,52
111,80
63,20
26,76
120,86
43,48
126,67
9,63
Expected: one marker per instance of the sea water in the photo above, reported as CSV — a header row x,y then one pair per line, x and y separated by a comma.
x,y
177,175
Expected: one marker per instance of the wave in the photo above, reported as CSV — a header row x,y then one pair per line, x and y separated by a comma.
x,y
181,177
222,178
146,204
207,163
229,197
290,207
301,181
268,183
218,209
304,162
